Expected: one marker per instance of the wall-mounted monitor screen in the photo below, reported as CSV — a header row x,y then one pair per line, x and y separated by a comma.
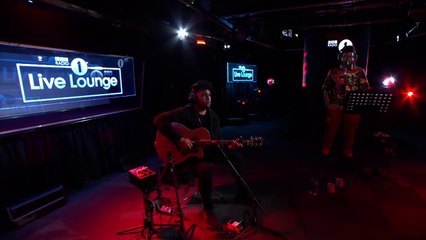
x,y
241,73
38,83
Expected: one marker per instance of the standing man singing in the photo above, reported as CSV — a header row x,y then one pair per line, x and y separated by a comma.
x,y
339,81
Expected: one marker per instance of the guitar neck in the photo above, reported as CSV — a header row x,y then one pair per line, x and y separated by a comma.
x,y
216,142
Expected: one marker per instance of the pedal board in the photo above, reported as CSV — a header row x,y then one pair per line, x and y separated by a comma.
x,y
143,178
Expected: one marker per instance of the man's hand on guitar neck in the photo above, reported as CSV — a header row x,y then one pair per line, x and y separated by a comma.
x,y
235,144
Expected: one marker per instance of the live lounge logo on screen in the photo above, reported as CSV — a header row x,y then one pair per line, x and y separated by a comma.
x,y
242,73
41,82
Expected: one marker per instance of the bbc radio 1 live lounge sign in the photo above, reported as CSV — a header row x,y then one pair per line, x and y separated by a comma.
x,y
241,72
67,80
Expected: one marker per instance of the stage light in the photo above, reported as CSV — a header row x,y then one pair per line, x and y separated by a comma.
x,y
287,33
182,33
226,46
201,42
389,82
412,29
242,101
410,95
270,81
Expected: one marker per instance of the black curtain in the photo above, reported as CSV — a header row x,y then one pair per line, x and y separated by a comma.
x,y
71,155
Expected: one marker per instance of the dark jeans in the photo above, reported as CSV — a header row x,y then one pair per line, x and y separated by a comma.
x,y
203,172
349,122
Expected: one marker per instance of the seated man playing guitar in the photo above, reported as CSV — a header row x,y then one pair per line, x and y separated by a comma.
x,y
178,133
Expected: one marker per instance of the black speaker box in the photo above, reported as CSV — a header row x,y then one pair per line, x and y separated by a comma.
x,y
36,206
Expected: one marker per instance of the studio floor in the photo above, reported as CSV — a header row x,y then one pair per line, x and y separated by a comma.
x,y
383,197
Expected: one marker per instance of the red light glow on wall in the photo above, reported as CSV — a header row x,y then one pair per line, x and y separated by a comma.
x,y
305,67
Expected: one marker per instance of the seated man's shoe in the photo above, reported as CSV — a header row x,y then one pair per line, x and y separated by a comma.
x,y
211,219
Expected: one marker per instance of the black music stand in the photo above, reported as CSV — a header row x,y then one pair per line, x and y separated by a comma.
x,y
253,222
369,104
366,101
146,180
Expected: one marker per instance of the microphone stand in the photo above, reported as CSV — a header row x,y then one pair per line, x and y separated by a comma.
x,y
255,204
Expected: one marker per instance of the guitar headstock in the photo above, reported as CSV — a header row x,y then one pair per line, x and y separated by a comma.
x,y
254,141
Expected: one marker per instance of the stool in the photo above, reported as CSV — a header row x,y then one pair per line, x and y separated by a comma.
x,y
194,183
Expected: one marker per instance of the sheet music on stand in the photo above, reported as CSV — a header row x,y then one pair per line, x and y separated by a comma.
x,y
375,105
360,101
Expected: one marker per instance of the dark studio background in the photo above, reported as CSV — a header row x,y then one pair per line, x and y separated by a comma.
x,y
76,153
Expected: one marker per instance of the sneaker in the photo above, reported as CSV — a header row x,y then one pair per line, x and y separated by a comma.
x,y
211,219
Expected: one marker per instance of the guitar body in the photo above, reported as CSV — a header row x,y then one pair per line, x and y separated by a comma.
x,y
166,149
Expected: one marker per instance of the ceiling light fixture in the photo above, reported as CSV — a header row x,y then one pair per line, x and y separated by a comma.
x,y
412,29
182,33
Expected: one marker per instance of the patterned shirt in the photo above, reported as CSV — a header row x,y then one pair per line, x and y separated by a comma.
x,y
339,81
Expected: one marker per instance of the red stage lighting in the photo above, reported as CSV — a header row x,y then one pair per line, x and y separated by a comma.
x,y
305,68
201,42
410,95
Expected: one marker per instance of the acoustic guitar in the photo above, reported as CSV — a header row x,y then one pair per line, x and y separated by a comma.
x,y
167,150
